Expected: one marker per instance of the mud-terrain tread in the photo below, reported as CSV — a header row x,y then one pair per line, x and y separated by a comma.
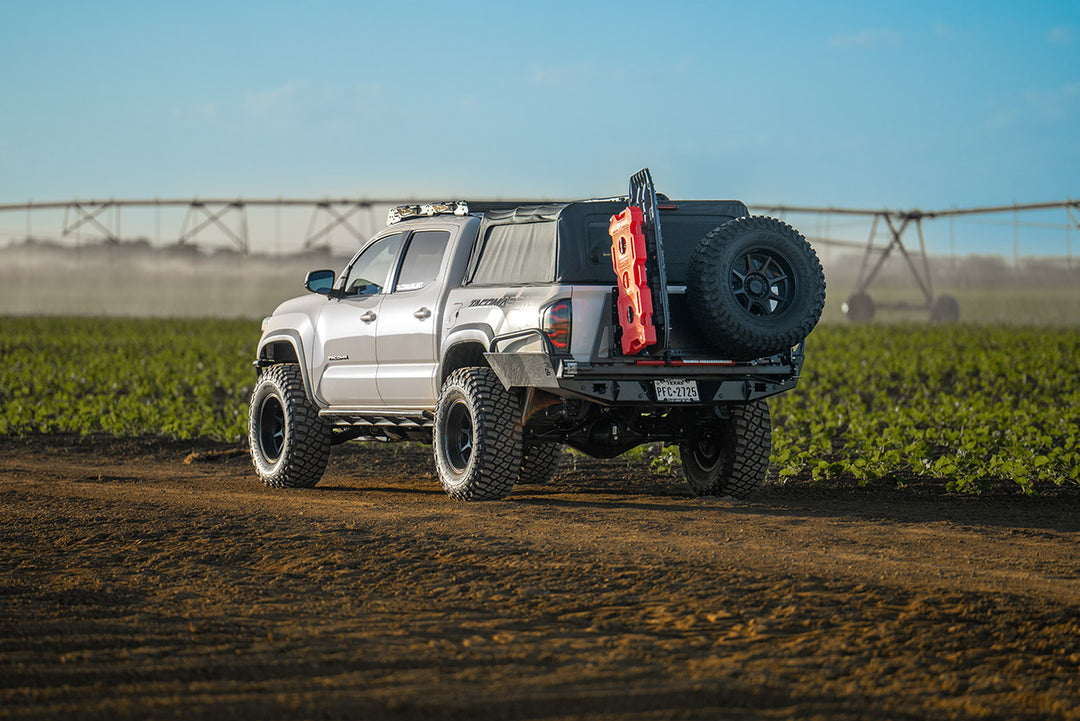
x,y
539,463
496,453
306,449
724,323
746,440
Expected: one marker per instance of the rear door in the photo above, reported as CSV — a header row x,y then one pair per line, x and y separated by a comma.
x,y
407,324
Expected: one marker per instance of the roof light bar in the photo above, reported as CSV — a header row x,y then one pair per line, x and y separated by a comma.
x,y
404,212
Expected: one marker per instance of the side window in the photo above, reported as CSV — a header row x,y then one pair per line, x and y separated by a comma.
x,y
367,274
599,244
517,253
422,259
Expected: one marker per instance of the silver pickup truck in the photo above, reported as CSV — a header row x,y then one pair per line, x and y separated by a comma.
x,y
499,334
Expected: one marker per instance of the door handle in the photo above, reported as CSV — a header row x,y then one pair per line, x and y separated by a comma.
x,y
368,317
422,314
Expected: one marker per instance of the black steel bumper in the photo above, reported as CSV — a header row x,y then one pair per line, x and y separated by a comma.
x,y
631,383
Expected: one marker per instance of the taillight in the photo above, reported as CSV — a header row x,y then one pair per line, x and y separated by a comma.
x,y
555,320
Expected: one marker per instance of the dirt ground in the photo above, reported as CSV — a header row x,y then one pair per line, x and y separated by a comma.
x,y
134,584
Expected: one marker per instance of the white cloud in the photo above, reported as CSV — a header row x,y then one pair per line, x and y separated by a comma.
x,y
1061,35
1057,103
203,113
273,101
1035,107
1002,119
562,76
574,75
866,39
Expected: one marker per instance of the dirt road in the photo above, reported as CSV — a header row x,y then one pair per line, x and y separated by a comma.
x,y
135,585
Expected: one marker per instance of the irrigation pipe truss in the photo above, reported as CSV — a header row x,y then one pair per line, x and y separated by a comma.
x,y
228,215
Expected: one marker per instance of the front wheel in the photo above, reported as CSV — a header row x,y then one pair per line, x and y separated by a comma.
x,y
729,457
477,438
290,444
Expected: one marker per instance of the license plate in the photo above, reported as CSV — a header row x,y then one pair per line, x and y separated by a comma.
x,y
677,390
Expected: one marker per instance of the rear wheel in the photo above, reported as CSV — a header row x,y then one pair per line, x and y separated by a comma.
x,y
539,462
290,444
729,457
477,438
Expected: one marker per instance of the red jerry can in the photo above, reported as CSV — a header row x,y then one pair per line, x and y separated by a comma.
x,y
635,299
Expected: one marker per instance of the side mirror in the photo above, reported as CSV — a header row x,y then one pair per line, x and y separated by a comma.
x,y
320,281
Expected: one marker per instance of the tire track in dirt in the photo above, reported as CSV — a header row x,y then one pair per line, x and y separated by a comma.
x,y
133,585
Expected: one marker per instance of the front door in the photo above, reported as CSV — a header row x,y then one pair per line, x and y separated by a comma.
x,y
345,331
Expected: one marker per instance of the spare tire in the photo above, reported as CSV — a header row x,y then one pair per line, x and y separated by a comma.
x,y
756,287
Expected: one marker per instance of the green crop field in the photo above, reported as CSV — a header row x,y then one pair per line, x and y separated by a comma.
x,y
969,407
175,378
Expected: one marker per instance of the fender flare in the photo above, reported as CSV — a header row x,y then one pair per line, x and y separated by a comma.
x,y
293,339
479,334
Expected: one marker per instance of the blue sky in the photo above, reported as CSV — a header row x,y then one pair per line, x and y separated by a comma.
x,y
919,104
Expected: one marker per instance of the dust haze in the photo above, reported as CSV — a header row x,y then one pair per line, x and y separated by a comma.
x,y
135,278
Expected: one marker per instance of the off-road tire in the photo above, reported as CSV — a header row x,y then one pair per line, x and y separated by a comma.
x,y
289,443
477,436
539,463
756,286
859,308
729,457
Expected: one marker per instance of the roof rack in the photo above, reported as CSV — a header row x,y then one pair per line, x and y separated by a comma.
x,y
404,212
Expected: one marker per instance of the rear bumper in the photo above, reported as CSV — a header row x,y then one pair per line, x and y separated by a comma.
x,y
633,382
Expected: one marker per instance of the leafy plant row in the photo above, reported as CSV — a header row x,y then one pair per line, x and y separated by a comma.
x,y
971,406
177,378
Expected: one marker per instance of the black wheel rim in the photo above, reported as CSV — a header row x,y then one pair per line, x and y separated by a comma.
x,y
271,428
763,283
706,452
458,440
